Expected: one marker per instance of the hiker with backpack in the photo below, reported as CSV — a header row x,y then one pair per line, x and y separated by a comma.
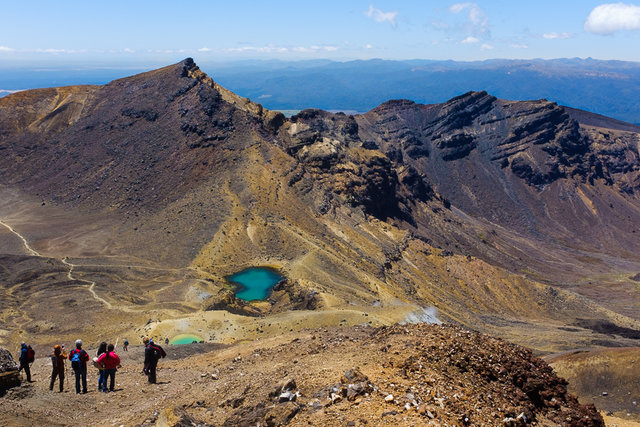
x,y
102,381
152,353
57,360
110,362
27,356
79,359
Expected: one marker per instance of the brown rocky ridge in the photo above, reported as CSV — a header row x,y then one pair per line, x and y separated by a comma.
x,y
134,200
399,375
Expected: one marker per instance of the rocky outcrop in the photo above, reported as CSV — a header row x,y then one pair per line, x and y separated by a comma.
x,y
226,299
289,295
332,157
9,376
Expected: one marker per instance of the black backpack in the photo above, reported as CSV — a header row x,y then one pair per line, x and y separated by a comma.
x,y
157,352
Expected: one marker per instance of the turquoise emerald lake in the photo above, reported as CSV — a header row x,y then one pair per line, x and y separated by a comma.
x,y
184,339
254,283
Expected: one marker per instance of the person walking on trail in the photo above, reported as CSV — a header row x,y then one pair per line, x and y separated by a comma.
x,y
57,360
27,356
110,362
102,382
152,353
125,344
79,359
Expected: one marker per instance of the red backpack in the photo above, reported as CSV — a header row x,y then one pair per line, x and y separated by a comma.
x,y
31,355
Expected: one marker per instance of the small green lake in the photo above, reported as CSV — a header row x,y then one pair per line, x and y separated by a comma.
x,y
254,283
184,339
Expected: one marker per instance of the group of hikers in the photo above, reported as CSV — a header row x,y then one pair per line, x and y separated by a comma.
x,y
106,361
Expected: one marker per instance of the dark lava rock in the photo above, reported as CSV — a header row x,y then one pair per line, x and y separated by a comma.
x,y
9,376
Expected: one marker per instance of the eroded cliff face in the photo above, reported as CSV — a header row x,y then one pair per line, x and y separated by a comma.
x,y
536,141
528,166
333,158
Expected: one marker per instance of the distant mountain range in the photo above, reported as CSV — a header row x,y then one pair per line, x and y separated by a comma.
x,y
611,88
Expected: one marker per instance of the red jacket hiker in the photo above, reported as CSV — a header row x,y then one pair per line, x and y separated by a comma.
x,y
111,362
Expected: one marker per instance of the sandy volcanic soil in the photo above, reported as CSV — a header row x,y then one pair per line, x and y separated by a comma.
x,y
609,378
402,375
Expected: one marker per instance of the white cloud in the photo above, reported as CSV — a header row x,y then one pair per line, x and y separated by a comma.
x,y
6,49
440,25
59,51
380,16
314,48
259,49
458,7
486,46
368,46
170,51
204,49
611,17
128,50
555,36
470,40
279,49
519,46
478,20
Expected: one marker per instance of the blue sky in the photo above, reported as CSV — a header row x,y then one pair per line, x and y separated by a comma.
x,y
135,32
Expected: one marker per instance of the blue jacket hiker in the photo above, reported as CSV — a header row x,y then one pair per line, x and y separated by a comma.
x,y
79,359
27,356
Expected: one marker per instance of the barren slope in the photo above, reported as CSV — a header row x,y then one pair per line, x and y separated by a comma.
x,y
402,375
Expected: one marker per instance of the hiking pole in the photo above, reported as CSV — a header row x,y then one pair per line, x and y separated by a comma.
x,y
66,371
66,377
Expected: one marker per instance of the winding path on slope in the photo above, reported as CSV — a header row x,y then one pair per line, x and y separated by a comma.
x,y
24,241
33,252
91,283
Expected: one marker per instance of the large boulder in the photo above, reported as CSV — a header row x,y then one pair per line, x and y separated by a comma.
x,y
8,371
